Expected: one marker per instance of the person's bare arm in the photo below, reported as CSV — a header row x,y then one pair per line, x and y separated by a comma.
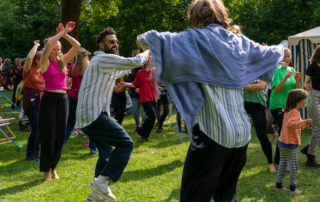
x,y
75,44
261,85
30,56
280,86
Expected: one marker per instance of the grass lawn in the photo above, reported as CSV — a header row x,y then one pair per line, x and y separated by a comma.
x,y
153,173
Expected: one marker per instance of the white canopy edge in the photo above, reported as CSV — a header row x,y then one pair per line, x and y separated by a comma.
x,y
313,35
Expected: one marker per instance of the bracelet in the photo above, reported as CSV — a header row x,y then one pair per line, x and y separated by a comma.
x,y
250,85
115,86
68,38
126,84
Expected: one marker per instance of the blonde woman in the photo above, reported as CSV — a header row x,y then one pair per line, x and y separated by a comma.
x,y
54,103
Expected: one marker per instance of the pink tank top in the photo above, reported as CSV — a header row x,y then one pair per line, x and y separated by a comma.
x,y
54,79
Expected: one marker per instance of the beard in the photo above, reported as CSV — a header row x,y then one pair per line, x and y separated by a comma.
x,y
110,51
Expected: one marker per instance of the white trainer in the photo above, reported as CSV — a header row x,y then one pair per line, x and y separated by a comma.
x,y
103,190
92,198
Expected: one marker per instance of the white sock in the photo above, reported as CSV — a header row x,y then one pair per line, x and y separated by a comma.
x,y
101,179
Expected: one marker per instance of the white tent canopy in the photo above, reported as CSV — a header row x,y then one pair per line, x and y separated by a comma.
x,y
313,35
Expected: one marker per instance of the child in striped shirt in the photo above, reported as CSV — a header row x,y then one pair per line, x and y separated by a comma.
x,y
290,139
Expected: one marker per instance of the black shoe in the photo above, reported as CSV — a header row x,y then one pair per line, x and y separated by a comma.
x,y
304,150
312,161
142,139
32,159
147,140
159,130
38,156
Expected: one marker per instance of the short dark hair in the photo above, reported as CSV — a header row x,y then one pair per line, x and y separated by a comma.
x,y
104,33
294,97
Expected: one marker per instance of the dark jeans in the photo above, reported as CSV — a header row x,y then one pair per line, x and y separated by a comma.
x,y
258,115
211,171
15,85
165,103
34,140
71,117
53,122
150,110
92,146
278,119
119,102
106,133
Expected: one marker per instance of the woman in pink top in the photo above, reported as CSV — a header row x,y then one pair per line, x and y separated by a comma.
x,y
75,72
54,103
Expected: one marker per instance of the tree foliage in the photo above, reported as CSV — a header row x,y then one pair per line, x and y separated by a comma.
x,y
23,21
274,20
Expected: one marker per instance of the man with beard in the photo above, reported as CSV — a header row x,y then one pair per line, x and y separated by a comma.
x,y
93,112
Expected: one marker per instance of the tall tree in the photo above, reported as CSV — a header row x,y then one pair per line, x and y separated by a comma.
x,y
71,11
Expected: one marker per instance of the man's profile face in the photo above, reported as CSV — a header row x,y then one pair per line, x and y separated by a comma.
x,y
111,45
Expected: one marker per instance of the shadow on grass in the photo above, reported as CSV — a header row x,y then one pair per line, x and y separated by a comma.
x,y
21,187
175,194
137,175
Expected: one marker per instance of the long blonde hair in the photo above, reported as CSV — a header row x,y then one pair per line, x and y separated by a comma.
x,y
201,13
62,68
81,63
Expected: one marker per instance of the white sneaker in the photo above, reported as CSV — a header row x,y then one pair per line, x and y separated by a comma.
x,y
103,190
92,198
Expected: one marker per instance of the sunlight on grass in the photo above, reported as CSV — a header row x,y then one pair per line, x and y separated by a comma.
x,y
153,174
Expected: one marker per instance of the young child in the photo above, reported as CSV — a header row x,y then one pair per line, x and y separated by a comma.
x,y
290,139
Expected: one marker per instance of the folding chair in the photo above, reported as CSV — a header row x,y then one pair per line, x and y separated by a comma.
x,y
4,123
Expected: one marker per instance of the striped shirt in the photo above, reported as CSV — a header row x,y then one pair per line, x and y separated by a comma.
x,y
291,127
98,83
222,116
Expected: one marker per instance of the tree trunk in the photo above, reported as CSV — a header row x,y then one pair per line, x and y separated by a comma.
x,y
71,10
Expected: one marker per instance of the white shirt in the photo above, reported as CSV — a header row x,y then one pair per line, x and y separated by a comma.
x,y
98,83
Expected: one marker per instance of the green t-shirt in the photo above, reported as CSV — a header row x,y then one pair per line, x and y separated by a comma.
x,y
278,100
255,97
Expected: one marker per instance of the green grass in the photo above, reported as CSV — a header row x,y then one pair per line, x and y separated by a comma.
x,y
153,173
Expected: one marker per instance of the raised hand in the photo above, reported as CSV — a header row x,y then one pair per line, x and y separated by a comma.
x,y
288,74
116,89
298,76
36,42
60,28
121,84
70,26
308,122
308,86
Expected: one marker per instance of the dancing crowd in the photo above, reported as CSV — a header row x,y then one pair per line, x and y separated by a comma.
x,y
216,78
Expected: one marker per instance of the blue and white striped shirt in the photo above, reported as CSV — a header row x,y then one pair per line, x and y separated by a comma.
x,y
98,83
222,116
